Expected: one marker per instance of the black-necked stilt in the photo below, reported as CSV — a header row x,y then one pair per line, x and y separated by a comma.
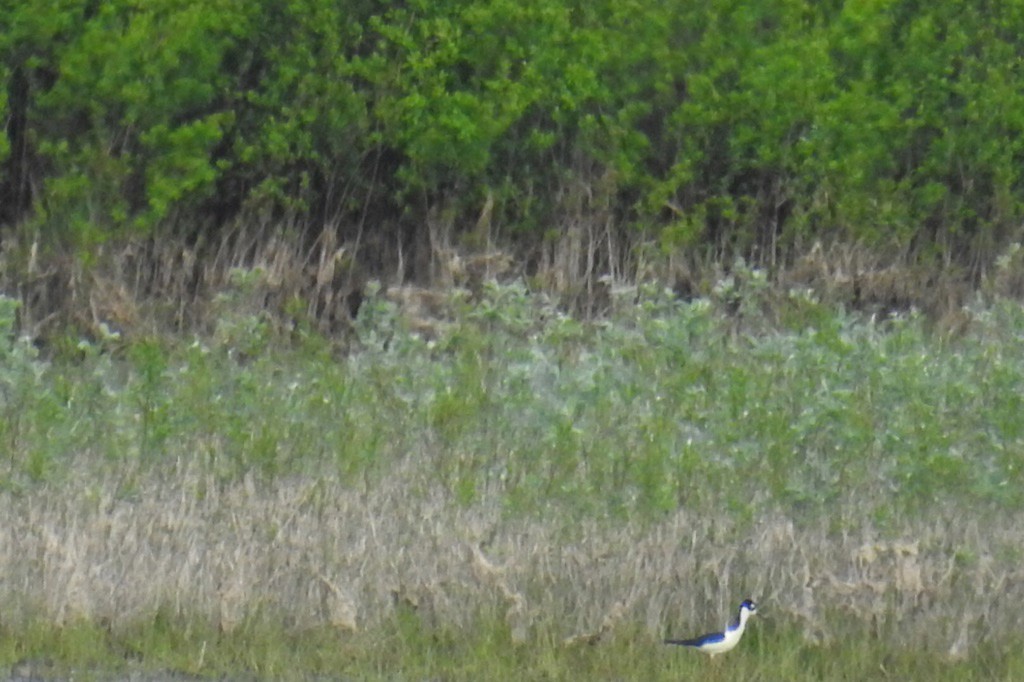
x,y
719,642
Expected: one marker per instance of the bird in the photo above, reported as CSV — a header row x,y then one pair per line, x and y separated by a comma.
x,y
715,643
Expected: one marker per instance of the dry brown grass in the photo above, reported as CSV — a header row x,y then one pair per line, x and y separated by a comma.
x,y
141,287
311,552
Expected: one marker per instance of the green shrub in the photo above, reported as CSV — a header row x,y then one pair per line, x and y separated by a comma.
x,y
748,127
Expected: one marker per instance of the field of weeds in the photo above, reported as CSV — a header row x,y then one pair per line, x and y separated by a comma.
x,y
511,493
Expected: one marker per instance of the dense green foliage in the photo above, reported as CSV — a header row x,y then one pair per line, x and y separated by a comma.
x,y
740,125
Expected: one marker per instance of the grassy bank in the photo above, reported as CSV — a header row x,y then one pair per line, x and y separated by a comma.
x,y
403,652
486,502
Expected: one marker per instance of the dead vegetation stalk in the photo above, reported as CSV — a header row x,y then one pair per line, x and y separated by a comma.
x,y
319,553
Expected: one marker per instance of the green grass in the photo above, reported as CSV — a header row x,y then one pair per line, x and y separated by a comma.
x,y
458,508
395,653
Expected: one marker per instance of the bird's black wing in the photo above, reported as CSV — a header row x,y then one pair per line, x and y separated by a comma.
x,y
698,641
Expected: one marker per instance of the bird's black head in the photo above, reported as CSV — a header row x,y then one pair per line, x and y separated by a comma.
x,y
749,605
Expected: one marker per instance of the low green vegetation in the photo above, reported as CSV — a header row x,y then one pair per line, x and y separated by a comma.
x,y
512,493
773,653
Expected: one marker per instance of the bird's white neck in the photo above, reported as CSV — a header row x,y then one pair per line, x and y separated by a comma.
x,y
740,622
